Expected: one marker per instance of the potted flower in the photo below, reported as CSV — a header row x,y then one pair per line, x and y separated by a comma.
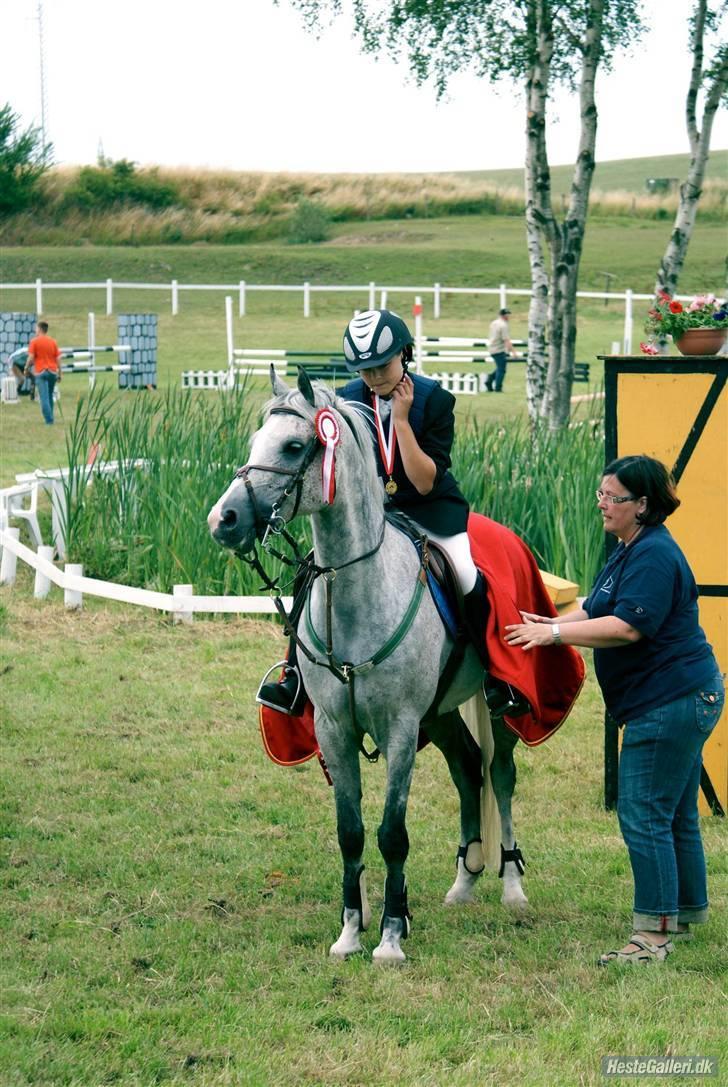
x,y
698,328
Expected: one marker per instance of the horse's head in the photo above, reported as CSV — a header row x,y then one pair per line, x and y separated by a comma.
x,y
290,469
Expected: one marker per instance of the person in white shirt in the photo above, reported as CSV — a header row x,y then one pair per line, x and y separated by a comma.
x,y
500,347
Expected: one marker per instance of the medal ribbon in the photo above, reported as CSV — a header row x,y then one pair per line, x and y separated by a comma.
x,y
387,445
328,433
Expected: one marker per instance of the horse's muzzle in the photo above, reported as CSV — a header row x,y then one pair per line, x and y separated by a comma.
x,y
228,528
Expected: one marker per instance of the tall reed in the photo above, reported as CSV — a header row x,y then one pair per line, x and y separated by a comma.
x,y
541,485
145,523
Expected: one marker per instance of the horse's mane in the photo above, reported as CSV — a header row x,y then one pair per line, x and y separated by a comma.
x,y
358,418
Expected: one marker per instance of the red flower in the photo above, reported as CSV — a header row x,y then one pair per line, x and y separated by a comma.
x,y
676,307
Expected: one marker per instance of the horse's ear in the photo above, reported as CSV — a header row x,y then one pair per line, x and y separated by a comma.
x,y
277,384
305,387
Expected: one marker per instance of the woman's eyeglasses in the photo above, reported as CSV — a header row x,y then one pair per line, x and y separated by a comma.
x,y
615,499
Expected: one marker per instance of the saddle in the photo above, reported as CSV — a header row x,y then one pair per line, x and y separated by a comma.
x,y
442,580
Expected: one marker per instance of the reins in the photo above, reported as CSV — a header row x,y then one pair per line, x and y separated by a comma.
x,y
306,573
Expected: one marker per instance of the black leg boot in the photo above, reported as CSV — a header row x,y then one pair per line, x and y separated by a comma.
x,y
503,700
287,695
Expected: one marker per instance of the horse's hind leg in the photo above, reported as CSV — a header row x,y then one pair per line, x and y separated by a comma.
x,y
342,761
503,777
450,735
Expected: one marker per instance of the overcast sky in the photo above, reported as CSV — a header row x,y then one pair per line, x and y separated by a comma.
x,y
239,84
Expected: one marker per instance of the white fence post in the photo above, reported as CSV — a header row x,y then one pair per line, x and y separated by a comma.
x,y
307,300
109,297
92,344
43,583
383,300
181,591
175,298
59,517
229,332
9,561
73,598
372,289
436,302
39,297
503,296
241,303
627,346
417,314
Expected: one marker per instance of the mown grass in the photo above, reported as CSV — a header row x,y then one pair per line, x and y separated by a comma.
x,y
169,895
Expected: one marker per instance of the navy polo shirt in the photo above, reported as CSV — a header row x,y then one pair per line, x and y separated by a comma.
x,y
650,586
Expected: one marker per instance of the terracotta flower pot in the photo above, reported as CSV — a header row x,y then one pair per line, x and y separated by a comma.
x,y
701,341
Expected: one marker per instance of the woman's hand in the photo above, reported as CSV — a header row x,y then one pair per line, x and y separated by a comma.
x,y
529,617
529,635
403,396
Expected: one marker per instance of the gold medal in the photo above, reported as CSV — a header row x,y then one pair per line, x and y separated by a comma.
x,y
390,486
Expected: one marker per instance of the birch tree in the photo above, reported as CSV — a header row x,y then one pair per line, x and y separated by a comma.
x,y
710,79
536,44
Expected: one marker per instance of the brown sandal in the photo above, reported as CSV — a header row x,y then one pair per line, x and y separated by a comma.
x,y
645,953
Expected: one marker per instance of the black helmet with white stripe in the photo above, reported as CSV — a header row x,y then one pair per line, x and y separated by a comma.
x,y
373,338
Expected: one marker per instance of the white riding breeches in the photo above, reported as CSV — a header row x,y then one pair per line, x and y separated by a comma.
x,y
458,551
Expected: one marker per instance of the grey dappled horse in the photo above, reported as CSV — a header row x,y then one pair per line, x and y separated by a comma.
x,y
372,574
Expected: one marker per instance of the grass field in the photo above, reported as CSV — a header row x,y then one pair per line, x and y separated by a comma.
x,y
169,895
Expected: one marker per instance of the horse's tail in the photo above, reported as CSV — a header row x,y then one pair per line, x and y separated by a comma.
x,y
475,714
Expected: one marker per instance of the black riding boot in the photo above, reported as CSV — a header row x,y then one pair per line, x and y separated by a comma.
x,y
287,695
503,700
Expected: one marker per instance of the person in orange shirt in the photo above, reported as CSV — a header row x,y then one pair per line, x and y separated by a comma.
x,y
44,359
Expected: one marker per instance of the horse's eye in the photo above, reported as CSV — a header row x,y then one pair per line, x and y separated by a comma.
x,y
293,447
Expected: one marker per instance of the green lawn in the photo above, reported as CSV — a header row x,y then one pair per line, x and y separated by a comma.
x,y
169,895
627,175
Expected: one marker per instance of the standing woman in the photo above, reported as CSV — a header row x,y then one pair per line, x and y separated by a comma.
x,y
660,681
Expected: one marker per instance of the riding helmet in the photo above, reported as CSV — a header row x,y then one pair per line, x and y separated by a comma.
x,y
373,338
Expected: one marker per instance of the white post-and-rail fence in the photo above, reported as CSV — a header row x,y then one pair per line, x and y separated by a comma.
x,y
437,291
181,603
20,502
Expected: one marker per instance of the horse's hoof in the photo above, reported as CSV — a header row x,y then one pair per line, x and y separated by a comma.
x,y
342,949
388,955
515,901
459,895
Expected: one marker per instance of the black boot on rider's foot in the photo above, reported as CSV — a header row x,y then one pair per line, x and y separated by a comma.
x,y
503,700
287,695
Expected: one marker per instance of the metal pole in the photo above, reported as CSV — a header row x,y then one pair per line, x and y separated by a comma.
x,y
627,347
229,331
241,305
417,314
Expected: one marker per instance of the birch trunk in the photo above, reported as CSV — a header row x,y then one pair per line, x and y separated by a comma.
x,y
566,247
540,222
690,190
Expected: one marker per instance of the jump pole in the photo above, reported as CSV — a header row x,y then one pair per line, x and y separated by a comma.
x,y
417,314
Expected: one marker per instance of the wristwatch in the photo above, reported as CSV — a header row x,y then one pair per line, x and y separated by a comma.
x,y
556,631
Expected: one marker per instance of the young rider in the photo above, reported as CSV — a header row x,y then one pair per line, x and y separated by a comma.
x,y
415,424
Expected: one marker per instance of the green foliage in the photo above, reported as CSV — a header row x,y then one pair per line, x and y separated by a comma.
x,y
541,485
310,222
24,158
145,523
111,183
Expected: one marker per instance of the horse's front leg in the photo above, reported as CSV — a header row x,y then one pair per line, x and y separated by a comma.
x,y
503,777
342,759
394,846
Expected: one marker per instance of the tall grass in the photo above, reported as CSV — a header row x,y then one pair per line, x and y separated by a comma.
x,y
228,207
145,524
541,485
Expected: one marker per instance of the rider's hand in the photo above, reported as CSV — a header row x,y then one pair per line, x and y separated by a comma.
x,y
403,396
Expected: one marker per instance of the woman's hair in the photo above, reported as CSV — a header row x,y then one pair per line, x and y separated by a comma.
x,y
645,477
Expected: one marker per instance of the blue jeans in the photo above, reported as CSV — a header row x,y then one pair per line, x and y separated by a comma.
x,y
45,383
500,358
659,778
